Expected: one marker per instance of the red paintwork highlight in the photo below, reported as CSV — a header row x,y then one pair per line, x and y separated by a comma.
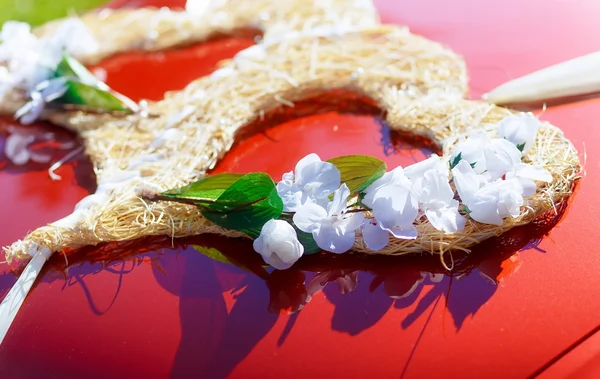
x,y
174,312
149,76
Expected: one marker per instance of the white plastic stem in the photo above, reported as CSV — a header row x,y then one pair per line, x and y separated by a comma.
x,y
15,298
579,76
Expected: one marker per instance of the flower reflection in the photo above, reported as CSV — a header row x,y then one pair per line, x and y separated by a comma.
x,y
346,281
287,290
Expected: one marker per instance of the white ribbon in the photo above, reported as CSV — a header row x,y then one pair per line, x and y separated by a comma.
x,y
15,298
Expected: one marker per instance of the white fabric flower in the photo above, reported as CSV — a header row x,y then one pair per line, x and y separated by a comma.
x,y
491,202
471,150
394,206
436,199
45,92
394,177
520,129
73,37
501,156
312,180
30,60
527,175
278,244
374,236
434,162
395,209
332,228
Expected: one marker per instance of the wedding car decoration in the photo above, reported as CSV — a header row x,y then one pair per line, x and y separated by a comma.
x,y
496,169
324,205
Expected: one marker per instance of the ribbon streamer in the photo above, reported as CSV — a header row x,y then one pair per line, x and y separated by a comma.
x,y
15,298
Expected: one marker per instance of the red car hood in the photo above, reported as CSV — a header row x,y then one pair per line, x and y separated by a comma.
x,y
172,311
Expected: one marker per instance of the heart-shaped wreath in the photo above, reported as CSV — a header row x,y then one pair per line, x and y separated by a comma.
x,y
497,169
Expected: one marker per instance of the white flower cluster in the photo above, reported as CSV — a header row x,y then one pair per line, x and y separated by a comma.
x,y
489,176
27,62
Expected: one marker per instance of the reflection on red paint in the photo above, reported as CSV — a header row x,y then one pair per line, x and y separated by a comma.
x,y
150,75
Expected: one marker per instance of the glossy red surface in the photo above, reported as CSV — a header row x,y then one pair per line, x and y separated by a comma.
x,y
174,312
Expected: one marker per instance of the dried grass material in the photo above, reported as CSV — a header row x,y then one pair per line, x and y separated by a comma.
x,y
153,29
205,117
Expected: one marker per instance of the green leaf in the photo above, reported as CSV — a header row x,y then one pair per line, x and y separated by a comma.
x,y
246,205
473,164
521,146
206,189
84,89
455,161
70,67
79,93
359,171
307,240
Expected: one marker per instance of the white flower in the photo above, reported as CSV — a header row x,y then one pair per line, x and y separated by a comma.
x,y
491,202
332,228
520,129
394,206
395,209
312,180
30,61
436,199
527,175
501,156
73,37
278,244
471,150
374,236
434,162
45,92
394,177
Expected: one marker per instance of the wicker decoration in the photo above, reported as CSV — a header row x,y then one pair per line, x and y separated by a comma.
x,y
418,84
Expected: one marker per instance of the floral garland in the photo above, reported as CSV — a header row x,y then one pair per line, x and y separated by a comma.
x,y
321,205
46,71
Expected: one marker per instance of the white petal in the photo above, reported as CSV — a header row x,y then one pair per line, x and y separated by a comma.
x,y
394,177
354,221
501,156
529,187
375,238
288,177
318,179
519,129
432,163
278,244
340,200
309,217
510,198
395,206
302,163
406,232
446,219
290,195
528,171
486,212
433,189
52,89
329,239
471,150
465,180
